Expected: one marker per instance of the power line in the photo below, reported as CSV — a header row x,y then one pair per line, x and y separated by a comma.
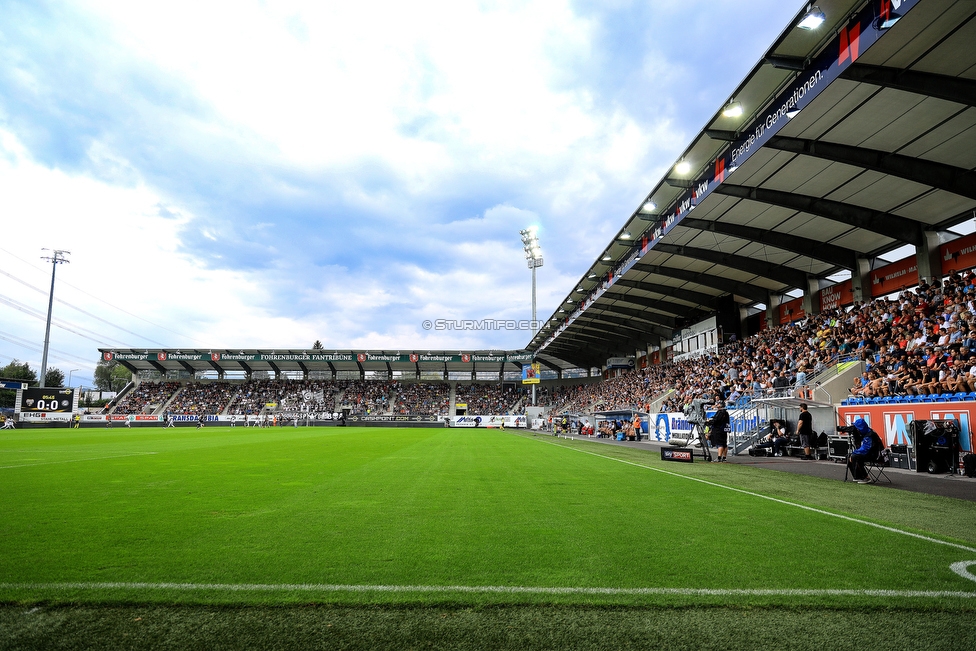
x,y
26,309
75,307
62,356
101,300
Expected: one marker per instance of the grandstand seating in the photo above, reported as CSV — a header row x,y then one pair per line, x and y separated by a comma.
x,y
917,347
146,397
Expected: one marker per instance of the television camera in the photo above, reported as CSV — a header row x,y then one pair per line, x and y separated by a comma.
x,y
695,415
695,412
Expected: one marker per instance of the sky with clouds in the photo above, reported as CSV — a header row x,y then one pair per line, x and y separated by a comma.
x,y
266,174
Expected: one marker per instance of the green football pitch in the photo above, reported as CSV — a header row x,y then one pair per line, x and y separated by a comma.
x,y
370,517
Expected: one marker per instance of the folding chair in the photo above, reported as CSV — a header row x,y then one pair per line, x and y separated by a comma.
x,y
876,468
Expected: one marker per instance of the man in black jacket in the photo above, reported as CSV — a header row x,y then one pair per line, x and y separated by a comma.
x,y
718,434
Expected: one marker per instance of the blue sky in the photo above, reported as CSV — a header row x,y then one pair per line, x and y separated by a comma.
x,y
254,174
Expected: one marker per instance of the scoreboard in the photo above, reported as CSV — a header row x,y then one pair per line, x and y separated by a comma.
x,y
48,400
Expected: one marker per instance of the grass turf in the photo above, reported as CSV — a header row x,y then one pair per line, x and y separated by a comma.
x,y
370,507
521,628
96,516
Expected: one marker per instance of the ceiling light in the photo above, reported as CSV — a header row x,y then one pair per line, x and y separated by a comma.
x,y
889,20
607,256
683,167
625,235
813,19
732,110
650,206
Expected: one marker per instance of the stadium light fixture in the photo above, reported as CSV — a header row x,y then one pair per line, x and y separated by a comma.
x,y
649,206
533,257
683,167
607,256
813,19
888,19
625,235
733,109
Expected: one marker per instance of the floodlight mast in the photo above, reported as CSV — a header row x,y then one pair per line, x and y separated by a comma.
x,y
533,257
57,257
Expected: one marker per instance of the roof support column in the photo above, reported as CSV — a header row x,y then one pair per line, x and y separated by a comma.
x,y
811,297
654,341
772,313
927,258
743,322
861,280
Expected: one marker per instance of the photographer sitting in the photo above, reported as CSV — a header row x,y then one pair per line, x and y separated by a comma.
x,y
777,437
869,446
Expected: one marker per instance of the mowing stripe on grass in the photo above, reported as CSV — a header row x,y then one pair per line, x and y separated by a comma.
x,y
44,463
770,498
487,589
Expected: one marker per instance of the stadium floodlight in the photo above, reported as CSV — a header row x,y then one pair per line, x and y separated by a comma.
x,y
813,19
625,235
733,109
533,257
649,206
683,167
607,256
57,257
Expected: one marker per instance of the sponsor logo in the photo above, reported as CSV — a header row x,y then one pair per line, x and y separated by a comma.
x,y
465,358
679,454
215,357
107,357
361,357
161,356
414,357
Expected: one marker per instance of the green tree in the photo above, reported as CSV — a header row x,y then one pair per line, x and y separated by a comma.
x,y
318,345
111,376
54,378
15,370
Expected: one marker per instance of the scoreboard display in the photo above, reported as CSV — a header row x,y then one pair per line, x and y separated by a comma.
x,y
57,401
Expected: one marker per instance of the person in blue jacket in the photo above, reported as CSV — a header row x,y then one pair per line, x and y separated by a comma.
x,y
868,449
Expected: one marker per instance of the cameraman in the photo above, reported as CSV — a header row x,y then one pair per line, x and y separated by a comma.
x,y
869,448
718,434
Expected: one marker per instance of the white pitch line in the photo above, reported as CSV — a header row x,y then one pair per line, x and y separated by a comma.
x,y
487,589
46,463
771,499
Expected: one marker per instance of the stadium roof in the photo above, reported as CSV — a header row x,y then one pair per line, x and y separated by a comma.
x,y
308,360
856,139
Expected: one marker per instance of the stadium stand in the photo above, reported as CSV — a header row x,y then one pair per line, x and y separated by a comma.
x,y
488,398
916,345
203,398
422,398
146,398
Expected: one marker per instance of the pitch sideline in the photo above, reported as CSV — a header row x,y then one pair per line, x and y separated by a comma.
x,y
488,589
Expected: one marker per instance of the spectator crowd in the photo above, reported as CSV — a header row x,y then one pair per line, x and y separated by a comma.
x,y
920,341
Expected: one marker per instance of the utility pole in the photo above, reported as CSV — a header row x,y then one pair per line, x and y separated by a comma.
x,y
57,257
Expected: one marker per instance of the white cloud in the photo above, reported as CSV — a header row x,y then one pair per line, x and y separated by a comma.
x,y
268,174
